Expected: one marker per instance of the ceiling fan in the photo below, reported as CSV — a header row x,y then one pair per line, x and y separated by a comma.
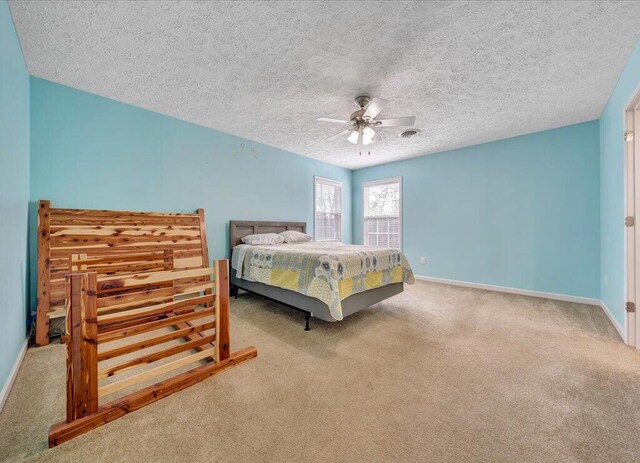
x,y
362,123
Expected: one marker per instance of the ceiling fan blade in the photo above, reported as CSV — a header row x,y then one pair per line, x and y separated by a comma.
x,y
338,135
328,119
397,122
374,107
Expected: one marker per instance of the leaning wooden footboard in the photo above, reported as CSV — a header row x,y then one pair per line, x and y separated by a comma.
x,y
63,232
155,315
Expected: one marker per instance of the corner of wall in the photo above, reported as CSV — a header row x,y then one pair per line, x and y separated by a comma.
x,y
612,189
14,183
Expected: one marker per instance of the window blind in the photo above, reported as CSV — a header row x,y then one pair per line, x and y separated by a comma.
x,y
382,213
328,210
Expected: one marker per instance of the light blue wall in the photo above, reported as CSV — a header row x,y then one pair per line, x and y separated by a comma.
x,y
14,193
521,212
92,152
612,187
539,212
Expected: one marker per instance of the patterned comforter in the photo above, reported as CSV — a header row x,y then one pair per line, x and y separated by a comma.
x,y
329,272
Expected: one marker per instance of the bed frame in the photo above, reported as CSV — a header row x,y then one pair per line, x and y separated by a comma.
x,y
310,306
106,316
63,232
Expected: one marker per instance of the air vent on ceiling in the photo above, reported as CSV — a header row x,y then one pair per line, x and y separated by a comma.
x,y
409,133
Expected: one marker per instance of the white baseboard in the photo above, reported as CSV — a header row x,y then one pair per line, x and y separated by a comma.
x,y
12,376
525,292
506,289
621,331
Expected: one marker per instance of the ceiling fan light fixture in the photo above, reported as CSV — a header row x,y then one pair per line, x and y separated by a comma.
x,y
367,135
361,123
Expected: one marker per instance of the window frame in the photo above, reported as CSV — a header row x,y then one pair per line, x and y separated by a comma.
x,y
335,183
382,181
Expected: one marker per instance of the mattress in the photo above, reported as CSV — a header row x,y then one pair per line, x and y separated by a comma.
x,y
329,272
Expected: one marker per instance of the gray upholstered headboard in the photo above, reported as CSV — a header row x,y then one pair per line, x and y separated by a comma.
x,y
238,229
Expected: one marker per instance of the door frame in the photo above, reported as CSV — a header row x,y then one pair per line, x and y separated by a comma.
x,y
632,209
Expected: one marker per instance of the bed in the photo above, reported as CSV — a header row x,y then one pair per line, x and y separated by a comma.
x,y
329,281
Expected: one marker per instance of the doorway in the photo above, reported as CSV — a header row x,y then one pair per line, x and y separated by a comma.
x,y
632,219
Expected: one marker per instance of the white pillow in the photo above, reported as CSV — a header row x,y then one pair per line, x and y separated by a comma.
x,y
263,238
292,236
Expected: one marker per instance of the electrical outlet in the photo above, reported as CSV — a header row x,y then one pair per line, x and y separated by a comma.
x,y
606,281
423,260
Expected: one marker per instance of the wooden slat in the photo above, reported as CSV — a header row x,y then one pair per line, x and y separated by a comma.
x,y
88,240
120,252
154,309
187,262
109,213
186,253
136,346
153,372
203,241
123,249
90,342
62,218
153,357
151,326
71,329
118,291
101,231
114,259
113,265
203,237
126,268
44,256
128,324
88,224
222,344
82,354
55,228
93,214
196,335
150,278
135,299
62,432
132,247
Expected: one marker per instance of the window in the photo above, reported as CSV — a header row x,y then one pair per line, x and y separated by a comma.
x,y
382,213
327,209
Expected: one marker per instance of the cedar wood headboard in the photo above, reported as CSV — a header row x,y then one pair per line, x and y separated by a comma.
x,y
238,229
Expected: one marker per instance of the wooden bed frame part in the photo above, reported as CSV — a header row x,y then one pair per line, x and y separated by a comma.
x,y
106,317
62,232
310,306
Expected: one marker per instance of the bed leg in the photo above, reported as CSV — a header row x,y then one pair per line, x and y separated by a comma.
x,y
307,317
234,291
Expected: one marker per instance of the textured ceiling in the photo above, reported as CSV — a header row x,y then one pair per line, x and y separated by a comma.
x,y
471,72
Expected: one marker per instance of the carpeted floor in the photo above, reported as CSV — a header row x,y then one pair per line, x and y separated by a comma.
x,y
438,373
